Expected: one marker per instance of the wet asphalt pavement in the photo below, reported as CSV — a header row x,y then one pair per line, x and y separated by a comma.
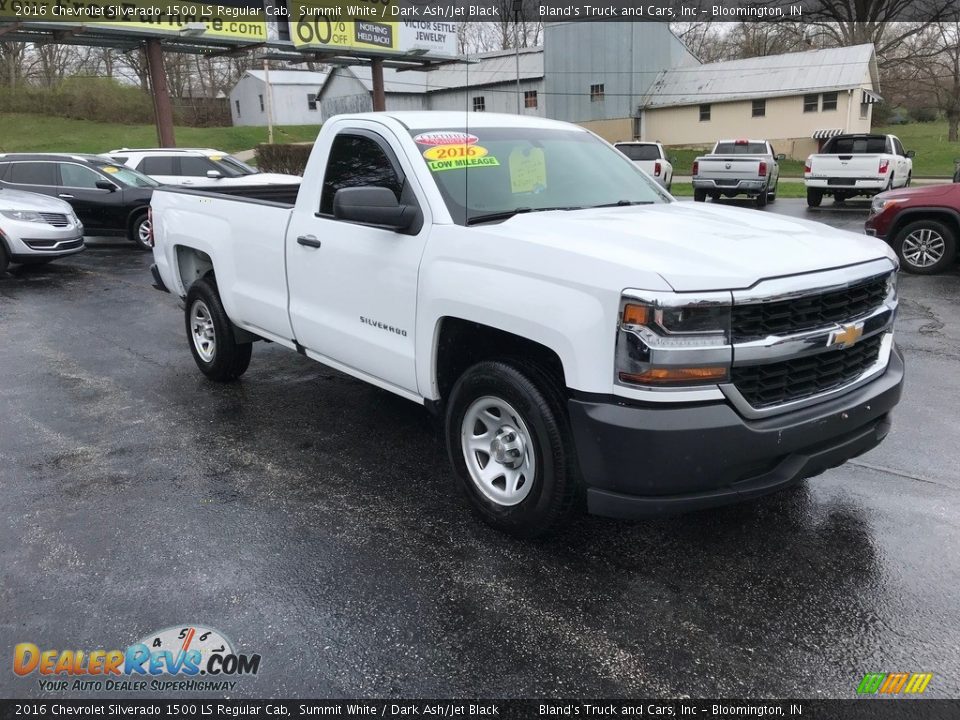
x,y
312,519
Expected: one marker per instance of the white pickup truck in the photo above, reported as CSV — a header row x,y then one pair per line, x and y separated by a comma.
x,y
585,338
851,165
737,167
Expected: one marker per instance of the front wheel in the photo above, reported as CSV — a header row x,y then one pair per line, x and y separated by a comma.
x,y
140,232
814,197
210,335
4,259
925,247
509,441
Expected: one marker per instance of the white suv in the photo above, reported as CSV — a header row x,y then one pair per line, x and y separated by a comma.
x,y
195,166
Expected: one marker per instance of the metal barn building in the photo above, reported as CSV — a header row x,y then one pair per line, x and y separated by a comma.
x,y
294,98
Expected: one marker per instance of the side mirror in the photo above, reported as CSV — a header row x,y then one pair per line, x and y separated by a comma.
x,y
214,174
372,206
911,154
106,185
781,156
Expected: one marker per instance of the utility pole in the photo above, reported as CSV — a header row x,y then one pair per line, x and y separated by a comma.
x,y
266,80
517,9
162,107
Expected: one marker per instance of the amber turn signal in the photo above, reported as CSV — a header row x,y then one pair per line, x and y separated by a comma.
x,y
655,376
636,315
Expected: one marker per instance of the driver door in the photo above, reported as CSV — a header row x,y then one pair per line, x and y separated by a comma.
x,y
353,287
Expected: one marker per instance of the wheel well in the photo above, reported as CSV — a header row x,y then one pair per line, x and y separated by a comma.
x,y
462,343
135,215
192,264
944,216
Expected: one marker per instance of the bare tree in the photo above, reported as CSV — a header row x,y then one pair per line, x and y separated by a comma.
x,y
934,80
13,56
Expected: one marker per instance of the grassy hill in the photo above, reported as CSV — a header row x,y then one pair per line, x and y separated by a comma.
x,y
42,133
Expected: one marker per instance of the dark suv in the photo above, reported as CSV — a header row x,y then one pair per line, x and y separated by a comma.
x,y
921,223
109,199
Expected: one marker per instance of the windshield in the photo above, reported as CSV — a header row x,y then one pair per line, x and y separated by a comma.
x,y
127,176
231,167
639,152
747,148
500,170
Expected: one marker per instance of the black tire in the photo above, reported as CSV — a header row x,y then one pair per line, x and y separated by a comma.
x,y
227,358
814,197
909,179
136,228
4,259
942,236
772,196
699,195
761,199
538,400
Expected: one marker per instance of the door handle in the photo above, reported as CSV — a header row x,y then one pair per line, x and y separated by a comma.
x,y
308,241
63,195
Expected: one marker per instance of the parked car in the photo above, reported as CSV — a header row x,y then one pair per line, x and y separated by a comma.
x,y
583,335
195,166
36,229
651,158
737,167
922,225
108,198
852,165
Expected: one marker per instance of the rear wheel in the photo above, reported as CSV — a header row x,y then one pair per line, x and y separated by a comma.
x,y
4,259
509,441
926,247
210,335
814,197
699,195
772,196
140,231
761,199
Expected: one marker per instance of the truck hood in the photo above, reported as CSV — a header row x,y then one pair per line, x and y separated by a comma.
x,y
19,200
694,247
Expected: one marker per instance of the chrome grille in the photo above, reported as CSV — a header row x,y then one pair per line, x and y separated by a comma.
x,y
754,321
55,219
773,384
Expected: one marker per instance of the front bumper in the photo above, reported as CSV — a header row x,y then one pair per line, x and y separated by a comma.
x,y
29,241
740,186
649,460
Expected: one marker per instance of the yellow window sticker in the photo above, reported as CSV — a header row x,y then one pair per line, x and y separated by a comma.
x,y
216,158
449,152
463,162
528,170
110,169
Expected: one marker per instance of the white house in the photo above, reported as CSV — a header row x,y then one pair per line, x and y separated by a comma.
x,y
294,98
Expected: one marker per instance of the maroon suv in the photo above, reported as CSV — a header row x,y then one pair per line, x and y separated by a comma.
x,y
921,223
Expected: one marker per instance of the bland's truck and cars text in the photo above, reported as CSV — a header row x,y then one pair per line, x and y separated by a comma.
x,y
587,340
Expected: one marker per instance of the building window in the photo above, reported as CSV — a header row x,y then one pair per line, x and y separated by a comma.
x,y
261,102
829,101
479,104
596,93
864,110
237,103
637,128
704,113
759,108
530,98
811,103
311,101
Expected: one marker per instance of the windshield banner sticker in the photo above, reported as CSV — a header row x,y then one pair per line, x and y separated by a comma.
x,y
465,162
449,152
443,137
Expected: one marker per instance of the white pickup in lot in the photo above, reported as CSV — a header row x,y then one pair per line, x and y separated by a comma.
x,y
852,165
586,339
737,167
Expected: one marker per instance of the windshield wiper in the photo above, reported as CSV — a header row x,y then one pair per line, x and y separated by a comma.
x,y
507,214
623,203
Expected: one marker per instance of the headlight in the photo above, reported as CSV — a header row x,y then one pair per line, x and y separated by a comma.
x,y
666,339
23,215
880,204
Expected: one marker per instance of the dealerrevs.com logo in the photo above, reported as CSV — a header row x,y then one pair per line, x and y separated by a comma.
x,y
183,658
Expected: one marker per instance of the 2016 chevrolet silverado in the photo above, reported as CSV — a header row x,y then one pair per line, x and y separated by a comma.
x,y
586,338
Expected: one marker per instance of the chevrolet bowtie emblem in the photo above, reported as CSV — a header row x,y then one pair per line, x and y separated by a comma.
x,y
846,336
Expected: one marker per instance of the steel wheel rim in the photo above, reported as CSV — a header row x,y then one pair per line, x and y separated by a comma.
x,y
498,451
143,232
202,331
923,248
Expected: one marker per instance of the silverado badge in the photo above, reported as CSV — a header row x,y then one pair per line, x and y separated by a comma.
x,y
846,336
